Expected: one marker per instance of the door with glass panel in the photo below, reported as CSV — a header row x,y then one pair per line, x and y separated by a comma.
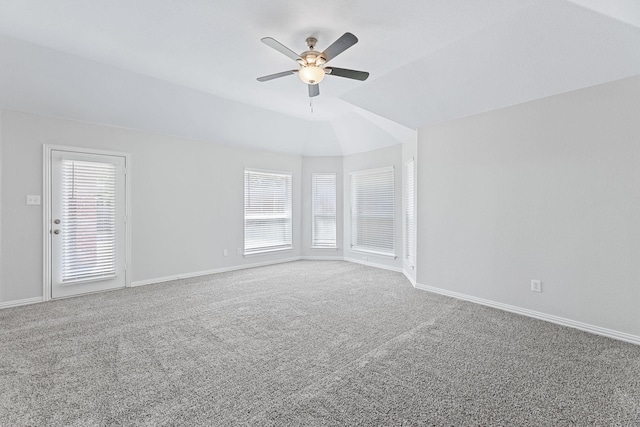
x,y
87,223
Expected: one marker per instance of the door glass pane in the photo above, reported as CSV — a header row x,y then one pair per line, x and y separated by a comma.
x,y
89,219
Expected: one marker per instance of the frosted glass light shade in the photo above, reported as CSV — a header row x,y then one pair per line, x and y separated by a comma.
x,y
311,75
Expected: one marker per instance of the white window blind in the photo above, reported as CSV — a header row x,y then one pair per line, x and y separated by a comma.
x,y
267,211
323,233
88,220
372,211
409,213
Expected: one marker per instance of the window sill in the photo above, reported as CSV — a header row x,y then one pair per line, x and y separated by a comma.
x,y
324,248
266,252
376,253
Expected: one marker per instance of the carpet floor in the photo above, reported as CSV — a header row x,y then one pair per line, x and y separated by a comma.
x,y
307,343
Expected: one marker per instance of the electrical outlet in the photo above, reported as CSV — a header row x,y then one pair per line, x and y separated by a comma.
x,y
536,286
239,251
225,252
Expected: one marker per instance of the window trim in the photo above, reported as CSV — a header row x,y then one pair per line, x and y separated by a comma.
x,y
46,205
313,206
409,258
266,250
363,249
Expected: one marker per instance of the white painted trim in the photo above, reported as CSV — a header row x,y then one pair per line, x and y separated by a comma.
x,y
373,264
266,252
1,234
411,279
46,209
46,221
128,273
322,258
208,272
610,333
19,302
372,252
372,171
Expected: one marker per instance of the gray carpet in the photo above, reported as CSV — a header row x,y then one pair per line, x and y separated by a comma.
x,y
304,344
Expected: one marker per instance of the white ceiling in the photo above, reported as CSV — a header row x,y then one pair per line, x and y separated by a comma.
x,y
190,68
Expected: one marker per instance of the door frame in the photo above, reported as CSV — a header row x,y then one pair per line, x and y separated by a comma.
x,y
46,210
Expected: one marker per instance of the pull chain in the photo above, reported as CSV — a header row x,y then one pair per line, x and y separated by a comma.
x,y
311,104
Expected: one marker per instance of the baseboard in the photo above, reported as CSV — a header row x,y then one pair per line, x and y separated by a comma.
x,y
610,333
373,264
207,272
34,300
19,302
409,277
322,258
261,264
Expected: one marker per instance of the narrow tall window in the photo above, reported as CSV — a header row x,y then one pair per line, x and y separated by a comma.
x,y
372,211
267,211
323,226
409,213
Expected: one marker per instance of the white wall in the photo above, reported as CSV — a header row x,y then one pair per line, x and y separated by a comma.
x,y
546,190
312,165
390,156
187,199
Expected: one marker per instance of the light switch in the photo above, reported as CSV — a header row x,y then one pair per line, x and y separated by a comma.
x,y
33,199
536,286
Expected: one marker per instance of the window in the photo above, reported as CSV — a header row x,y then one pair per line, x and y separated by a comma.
x,y
372,211
267,211
409,213
89,217
323,226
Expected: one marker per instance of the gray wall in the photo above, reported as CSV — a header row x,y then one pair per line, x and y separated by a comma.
x,y
312,165
187,199
546,190
390,156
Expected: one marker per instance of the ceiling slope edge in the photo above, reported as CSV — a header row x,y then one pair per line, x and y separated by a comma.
x,y
40,80
627,11
548,49
357,134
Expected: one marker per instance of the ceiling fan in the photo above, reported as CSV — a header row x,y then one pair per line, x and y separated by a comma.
x,y
313,63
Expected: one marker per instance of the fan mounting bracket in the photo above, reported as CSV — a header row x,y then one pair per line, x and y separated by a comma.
x,y
311,42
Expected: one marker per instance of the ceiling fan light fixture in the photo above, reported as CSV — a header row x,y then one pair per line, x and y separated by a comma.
x,y
312,63
311,74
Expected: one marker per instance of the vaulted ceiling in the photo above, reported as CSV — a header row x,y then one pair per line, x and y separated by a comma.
x,y
190,68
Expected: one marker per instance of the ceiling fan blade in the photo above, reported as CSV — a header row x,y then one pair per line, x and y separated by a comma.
x,y
344,72
314,90
343,43
271,42
276,75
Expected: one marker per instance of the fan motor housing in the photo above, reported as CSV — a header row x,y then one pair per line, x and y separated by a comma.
x,y
312,57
